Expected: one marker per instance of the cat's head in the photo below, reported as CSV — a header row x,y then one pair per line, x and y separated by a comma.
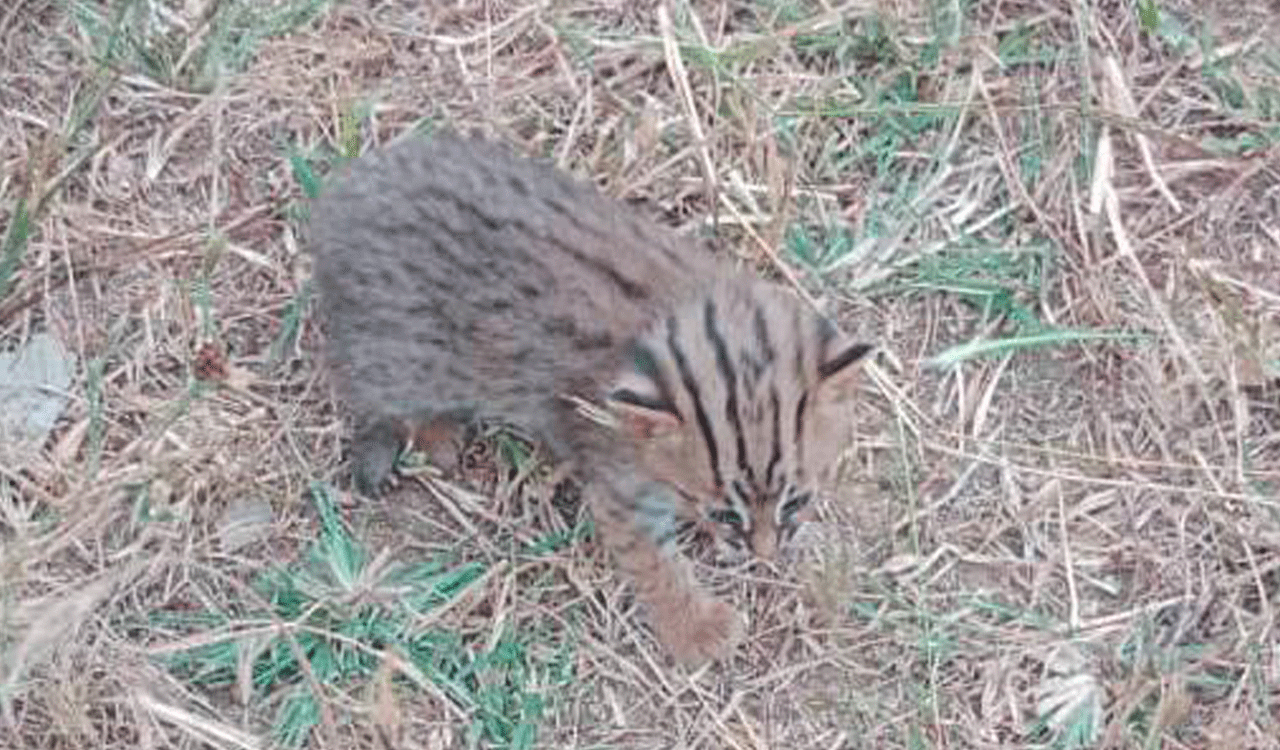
x,y
737,401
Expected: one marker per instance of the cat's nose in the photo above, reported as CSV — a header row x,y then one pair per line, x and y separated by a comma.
x,y
764,542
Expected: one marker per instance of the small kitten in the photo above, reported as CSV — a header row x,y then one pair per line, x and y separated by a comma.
x,y
461,282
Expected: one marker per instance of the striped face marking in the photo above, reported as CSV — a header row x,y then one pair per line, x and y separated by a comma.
x,y
747,381
758,522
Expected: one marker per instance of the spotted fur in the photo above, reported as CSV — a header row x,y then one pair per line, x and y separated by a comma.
x,y
459,281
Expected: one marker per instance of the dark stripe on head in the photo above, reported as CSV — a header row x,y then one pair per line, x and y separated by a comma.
x,y
731,385
800,407
700,414
776,436
798,348
757,356
763,341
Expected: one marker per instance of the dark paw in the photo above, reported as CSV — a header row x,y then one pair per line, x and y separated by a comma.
x,y
373,458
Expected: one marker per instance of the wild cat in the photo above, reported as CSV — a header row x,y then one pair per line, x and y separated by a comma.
x,y
461,282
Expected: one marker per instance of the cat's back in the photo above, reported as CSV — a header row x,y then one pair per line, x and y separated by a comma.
x,y
451,265
469,215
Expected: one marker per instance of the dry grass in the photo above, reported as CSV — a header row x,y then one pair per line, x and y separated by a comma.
x,y
1070,538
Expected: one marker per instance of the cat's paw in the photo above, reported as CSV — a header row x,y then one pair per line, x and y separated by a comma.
x,y
706,631
373,459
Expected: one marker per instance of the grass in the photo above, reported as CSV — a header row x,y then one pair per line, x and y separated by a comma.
x,y
1055,522
193,53
14,245
330,622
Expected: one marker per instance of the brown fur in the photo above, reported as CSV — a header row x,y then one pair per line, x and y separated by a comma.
x,y
459,281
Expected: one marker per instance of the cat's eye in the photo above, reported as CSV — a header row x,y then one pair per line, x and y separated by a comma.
x,y
793,505
726,516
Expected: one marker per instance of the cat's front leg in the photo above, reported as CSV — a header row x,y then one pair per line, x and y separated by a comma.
x,y
637,528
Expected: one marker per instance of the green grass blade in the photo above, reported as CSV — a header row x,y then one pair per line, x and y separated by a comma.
x,y
14,246
986,348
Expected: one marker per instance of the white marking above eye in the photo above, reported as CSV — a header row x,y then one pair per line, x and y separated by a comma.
x,y
795,501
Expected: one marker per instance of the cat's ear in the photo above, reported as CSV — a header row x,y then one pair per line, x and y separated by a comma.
x,y
640,415
638,402
838,373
